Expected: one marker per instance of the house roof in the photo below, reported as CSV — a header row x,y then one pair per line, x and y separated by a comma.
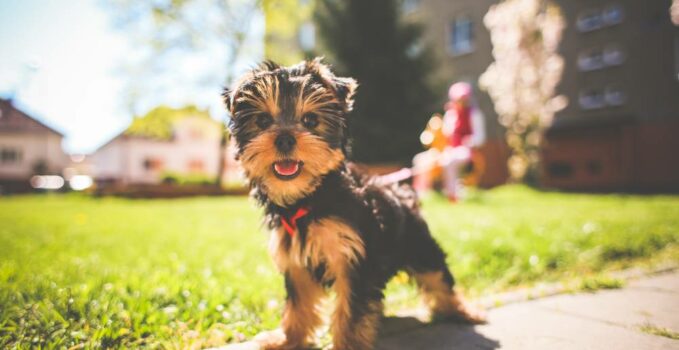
x,y
13,119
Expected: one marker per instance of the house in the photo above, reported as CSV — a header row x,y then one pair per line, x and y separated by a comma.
x,y
163,144
27,147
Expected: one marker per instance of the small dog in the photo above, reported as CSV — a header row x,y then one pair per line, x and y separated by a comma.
x,y
332,227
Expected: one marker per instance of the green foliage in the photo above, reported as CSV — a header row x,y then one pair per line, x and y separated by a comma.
x,y
595,283
368,40
283,19
187,179
158,123
117,273
659,331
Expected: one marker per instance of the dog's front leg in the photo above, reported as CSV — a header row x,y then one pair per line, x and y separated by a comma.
x,y
300,317
357,316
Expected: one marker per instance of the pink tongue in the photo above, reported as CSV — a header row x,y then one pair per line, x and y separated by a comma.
x,y
286,168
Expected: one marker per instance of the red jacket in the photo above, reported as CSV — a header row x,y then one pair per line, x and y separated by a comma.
x,y
462,129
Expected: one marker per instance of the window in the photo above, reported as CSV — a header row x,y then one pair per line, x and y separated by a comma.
x,y
613,14
196,166
592,99
307,36
10,156
461,36
594,19
153,164
195,134
611,96
591,60
615,96
613,55
562,170
589,21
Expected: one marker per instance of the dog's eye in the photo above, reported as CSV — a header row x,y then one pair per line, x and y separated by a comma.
x,y
310,120
263,121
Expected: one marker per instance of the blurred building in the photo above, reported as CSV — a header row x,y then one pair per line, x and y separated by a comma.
x,y
621,78
620,129
190,149
27,147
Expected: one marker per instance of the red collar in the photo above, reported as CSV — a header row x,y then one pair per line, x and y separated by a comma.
x,y
290,224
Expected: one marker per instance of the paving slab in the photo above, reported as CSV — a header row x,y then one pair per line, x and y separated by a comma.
x,y
605,320
531,326
666,282
627,308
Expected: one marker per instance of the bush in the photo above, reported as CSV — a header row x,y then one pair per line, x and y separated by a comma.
x,y
187,179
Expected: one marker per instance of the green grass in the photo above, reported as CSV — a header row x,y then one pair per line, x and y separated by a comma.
x,y
594,283
114,273
659,331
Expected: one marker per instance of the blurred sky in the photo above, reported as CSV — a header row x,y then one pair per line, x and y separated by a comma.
x,y
76,84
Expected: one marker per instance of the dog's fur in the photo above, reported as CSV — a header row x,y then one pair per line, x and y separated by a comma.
x,y
357,233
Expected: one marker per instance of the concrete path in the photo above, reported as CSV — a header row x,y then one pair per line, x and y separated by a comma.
x,y
606,320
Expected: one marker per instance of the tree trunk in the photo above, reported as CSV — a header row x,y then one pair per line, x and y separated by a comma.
x,y
222,155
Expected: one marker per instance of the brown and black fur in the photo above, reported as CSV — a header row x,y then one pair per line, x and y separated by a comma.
x,y
358,233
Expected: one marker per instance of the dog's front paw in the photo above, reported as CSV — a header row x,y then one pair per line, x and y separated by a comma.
x,y
275,340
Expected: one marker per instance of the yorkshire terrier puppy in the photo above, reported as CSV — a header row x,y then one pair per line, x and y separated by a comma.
x,y
332,227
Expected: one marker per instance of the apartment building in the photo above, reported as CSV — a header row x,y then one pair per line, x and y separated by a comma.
x,y
621,78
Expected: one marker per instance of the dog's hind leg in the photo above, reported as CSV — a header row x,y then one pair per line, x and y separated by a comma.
x,y
427,264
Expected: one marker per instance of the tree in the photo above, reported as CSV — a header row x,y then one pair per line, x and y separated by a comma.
x,y
183,43
368,40
158,123
284,20
522,81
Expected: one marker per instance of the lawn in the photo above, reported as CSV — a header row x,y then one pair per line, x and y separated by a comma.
x,y
79,272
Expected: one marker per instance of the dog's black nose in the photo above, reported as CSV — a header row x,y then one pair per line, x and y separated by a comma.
x,y
285,142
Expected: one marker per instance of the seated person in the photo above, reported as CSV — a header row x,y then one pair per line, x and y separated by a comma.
x,y
462,128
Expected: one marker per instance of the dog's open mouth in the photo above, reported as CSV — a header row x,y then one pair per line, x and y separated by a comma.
x,y
287,169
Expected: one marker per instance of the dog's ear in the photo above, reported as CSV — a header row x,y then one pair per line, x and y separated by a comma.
x,y
228,99
344,88
267,66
